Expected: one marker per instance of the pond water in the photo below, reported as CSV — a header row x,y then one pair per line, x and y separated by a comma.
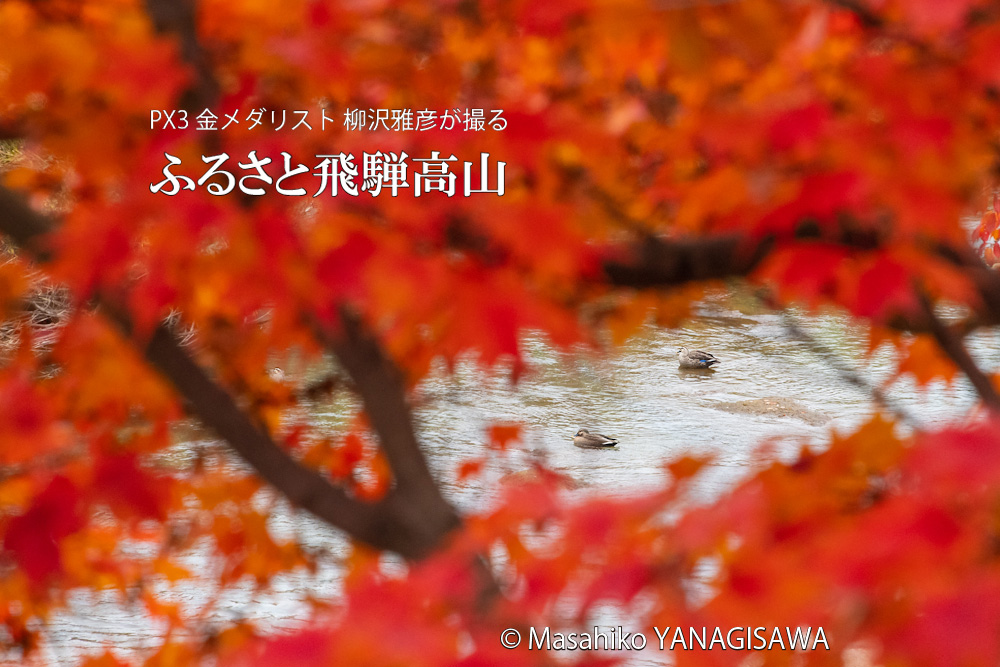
x,y
658,412
635,393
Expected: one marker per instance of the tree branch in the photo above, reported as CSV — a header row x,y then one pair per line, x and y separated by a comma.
x,y
951,344
381,387
303,487
177,17
23,225
413,517
659,263
410,520
865,14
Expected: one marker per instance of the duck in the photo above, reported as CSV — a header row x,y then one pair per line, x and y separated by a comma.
x,y
695,358
585,438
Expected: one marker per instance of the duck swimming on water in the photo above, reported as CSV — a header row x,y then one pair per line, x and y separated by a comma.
x,y
585,438
695,358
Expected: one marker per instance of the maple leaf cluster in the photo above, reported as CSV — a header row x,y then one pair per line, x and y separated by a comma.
x,y
827,153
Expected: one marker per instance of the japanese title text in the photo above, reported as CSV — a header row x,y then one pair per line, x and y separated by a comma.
x,y
337,174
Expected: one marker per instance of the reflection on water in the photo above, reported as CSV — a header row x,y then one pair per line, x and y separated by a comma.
x,y
635,394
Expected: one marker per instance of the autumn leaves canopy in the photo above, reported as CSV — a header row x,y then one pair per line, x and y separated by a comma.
x,y
827,152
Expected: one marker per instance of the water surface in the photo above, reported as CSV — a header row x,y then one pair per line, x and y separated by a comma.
x,y
635,393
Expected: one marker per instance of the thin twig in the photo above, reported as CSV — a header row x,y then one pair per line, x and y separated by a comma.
x,y
951,344
846,373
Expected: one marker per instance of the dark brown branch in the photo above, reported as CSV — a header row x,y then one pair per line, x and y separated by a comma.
x,y
865,14
658,263
403,521
410,520
177,17
985,280
380,384
951,344
414,517
421,516
303,487
23,225
10,130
